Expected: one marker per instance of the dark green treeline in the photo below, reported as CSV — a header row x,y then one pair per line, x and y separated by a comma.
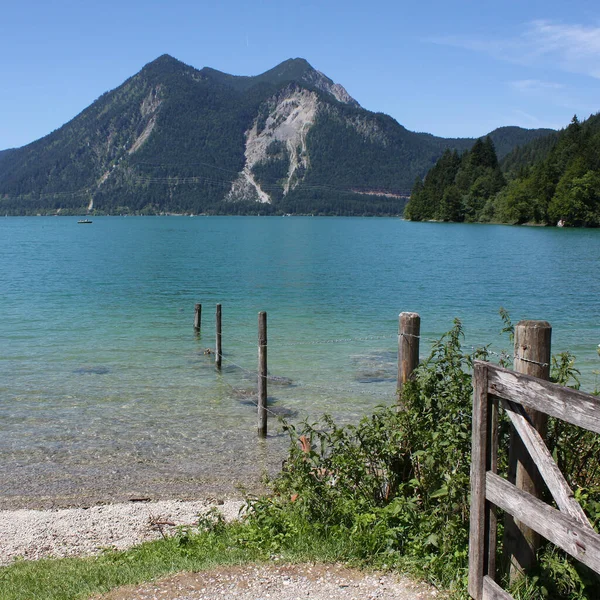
x,y
555,179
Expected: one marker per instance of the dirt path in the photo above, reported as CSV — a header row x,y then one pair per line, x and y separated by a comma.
x,y
279,582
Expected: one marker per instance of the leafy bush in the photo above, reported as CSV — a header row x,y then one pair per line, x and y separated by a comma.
x,y
393,491
395,487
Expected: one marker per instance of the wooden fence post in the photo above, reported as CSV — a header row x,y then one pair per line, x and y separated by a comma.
x,y
479,522
409,331
262,374
197,317
532,357
218,349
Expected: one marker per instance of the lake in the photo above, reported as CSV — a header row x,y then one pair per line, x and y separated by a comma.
x,y
107,394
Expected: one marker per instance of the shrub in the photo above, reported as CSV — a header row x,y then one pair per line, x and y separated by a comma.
x,y
394,490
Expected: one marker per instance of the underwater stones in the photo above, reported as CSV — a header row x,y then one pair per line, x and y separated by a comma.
x,y
91,370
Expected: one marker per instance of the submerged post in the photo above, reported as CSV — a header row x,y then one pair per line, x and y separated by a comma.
x,y
218,349
532,357
197,317
409,332
262,374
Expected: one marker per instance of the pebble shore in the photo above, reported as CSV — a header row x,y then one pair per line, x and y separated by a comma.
x,y
33,534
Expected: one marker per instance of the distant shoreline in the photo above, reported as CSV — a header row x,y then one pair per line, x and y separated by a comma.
x,y
188,215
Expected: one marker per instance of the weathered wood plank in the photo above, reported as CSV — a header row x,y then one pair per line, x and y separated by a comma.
x,y
197,317
492,465
262,374
532,357
492,591
559,488
479,455
409,331
571,406
532,348
218,346
560,529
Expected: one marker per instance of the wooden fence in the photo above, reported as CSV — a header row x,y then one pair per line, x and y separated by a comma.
x,y
568,527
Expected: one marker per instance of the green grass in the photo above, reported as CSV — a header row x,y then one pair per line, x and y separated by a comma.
x,y
70,578
78,578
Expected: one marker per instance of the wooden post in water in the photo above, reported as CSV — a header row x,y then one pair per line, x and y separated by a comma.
x,y
532,357
218,349
409,331
197,317
262,374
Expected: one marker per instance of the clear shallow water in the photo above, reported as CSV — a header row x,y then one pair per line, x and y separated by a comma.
x,y
105,391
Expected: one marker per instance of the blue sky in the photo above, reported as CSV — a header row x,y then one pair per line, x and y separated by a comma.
x,y
453,69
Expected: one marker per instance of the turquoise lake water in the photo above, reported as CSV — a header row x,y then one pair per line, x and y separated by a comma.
x,y
106,393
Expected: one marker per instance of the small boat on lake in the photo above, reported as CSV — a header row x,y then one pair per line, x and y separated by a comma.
x,y
84,221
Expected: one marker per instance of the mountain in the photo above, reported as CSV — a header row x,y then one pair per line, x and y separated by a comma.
x,y
176,139
293,69
507,139
524,156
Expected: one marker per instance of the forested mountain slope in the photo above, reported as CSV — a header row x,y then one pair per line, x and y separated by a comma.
x,y
176,139
554,180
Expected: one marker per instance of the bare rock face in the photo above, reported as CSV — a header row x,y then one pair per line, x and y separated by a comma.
x,y
340,93
284,123
323,83
245,187
149,111
291,114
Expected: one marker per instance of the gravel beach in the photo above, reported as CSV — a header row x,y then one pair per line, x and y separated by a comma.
x,y
33,534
